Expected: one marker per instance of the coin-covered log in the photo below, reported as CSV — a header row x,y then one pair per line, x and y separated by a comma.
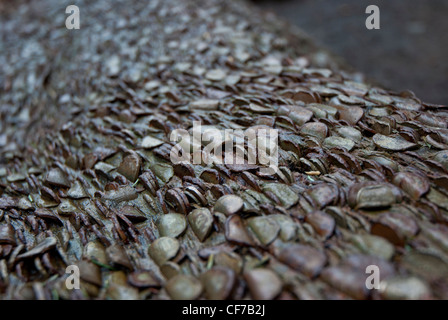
x,y
86,177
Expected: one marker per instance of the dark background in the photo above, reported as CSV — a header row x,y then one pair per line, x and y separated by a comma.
x,y
410,51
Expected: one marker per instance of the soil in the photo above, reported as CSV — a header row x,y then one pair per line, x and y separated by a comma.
x,y
408,52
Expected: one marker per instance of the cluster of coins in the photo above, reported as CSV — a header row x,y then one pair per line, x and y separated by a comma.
x,y
361,181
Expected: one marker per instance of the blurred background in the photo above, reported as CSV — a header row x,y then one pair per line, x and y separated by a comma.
x,y
410,51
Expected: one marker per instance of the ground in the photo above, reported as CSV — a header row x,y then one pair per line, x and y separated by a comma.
x,y
408,52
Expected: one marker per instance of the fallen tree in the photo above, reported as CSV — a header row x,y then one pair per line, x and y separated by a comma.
x,y
87,179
